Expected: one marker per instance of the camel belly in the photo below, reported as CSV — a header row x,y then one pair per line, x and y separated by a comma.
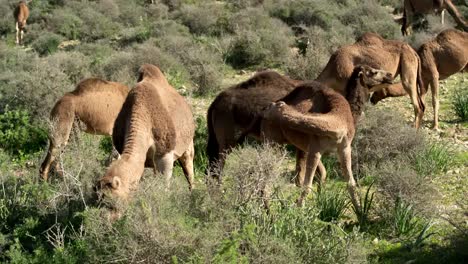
x,y
302,140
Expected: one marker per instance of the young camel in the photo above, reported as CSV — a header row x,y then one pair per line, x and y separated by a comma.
x,y
441,57
94,102
317,119
155,122
426,7
371,49
21,14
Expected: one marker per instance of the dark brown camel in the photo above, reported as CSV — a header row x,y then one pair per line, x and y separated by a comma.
x,y
234,110
441,57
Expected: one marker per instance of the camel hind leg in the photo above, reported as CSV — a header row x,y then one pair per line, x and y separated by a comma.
x,y
313,159
301,169
344,156
186,162
17,34
435,101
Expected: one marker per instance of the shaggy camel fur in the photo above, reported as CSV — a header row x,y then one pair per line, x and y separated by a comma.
x,y
426,7
236,109
441,57
317,119
155,122
94,102
21,14
390,55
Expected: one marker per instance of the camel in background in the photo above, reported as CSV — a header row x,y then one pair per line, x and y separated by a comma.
x,y
412,7
445,55
94,102
155,122
317,119
21,15
371,49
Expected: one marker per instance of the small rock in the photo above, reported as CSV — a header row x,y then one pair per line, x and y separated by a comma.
x,y
375,241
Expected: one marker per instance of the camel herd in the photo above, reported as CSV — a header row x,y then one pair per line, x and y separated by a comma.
x,y
152,125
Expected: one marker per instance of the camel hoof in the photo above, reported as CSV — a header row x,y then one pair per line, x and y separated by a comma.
x,y
300,202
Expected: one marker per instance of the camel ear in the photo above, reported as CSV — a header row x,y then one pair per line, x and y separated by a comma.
x,y
116,182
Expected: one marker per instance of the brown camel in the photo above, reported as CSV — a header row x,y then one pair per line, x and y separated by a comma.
x,y
426,7
317,119
441,57
155,122
94,102
390,55
21,15
235,110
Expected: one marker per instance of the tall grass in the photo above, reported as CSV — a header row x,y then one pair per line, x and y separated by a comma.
x,y
460,103
331,204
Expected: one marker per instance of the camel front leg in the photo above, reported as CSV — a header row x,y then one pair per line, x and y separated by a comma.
x,y
17,34
411,88
50,158
435,101
344,156
313,159
164,165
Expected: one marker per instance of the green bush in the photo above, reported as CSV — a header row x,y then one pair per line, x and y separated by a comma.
x,y
205,18
460,104
47,43
66,22
433,159
331,204
18,135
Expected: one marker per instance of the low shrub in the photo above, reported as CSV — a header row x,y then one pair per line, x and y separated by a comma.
x,y
47,43
18,136
204,18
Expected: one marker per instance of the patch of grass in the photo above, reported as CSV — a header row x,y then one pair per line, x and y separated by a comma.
x,y
363,213
433,159
331,204
460,103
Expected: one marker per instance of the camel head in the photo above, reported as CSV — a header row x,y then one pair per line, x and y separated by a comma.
x,y
149,71
372,78
274,110
114,188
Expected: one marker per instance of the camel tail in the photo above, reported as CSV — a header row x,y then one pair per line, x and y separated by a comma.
x,y
452,9
421,88
212,148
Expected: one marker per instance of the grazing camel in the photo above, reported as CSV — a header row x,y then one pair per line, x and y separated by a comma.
x,y
155,122
441,57
94,102
234,110
426,7
390,55
317,119
21,15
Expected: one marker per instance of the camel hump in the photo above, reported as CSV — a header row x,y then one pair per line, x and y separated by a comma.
x,y
91,85
260,79
370,38
150,71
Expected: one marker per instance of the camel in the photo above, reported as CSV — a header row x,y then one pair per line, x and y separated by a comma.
x,y
235,110
317,119
155,122
441,57
21,15
94,102
426,7
371,49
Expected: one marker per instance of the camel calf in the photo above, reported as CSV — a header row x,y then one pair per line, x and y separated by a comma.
x,y
441,57
155,122
94,102
426,7
371,49
21,15
317,119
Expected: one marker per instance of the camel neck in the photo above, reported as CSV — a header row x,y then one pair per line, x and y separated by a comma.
x,y
356,95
